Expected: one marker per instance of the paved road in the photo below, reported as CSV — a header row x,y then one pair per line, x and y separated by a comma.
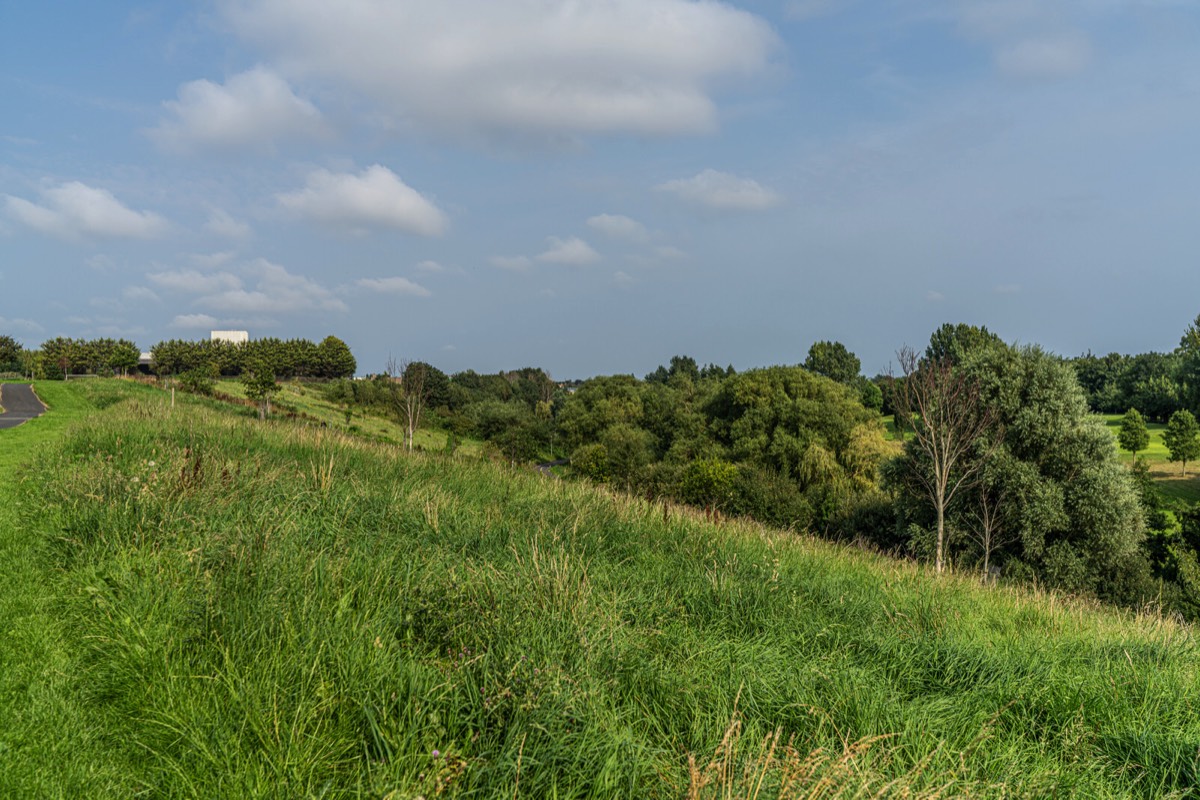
x,y
20,404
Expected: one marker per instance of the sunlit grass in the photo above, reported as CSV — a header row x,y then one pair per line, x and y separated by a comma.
x,y
1167,473
273,610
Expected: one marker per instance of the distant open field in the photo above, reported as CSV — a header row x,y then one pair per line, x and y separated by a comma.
x,y
199,604
307,399
1162,469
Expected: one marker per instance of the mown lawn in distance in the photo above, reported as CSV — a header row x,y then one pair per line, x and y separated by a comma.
x,y
272,610
307,398
1166,472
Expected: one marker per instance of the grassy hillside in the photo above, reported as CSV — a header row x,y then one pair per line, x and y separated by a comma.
x,y
308,399
240,609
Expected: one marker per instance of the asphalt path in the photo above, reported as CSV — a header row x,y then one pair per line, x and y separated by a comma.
x,y
20,404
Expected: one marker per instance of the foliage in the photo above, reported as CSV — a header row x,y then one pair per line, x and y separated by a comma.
x,y
1182,438
10,354
334,359
258,379
197,382
709,483
287,359
62,357
834,361
1134,436
952,343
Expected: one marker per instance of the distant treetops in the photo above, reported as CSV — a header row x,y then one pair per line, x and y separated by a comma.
x,y
61,357
291,358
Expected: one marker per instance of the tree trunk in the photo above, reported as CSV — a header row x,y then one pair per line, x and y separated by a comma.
x,y
941,532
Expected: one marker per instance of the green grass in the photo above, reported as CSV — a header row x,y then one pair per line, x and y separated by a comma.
x,y
1171,483
269,610
51,743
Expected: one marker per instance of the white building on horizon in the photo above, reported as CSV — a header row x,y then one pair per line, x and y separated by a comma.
x,y
236,337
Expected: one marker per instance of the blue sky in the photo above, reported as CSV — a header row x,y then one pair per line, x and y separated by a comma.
x,y
593,187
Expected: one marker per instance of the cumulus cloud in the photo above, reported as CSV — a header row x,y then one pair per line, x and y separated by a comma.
x,y
395,285
623,279
74,210
513,263
252,110
618,226
430,266
542,66
374,198
195,282
573,252
723,191
275,290
259,287
221,224
202,321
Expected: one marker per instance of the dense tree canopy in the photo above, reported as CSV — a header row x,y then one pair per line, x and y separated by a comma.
x,y
10,354
1072,508
834,361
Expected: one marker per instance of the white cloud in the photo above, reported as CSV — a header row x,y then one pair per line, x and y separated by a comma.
x,y
221,224
275,291
514,263
623,279
73,210
202,321
195,282
1045,57
139,294
934,297
20,325
430,266
395,285
618,226
211,260
259,287
723,191
542,66
573,251
375,198
1029,38
669,253
1007,288
252,110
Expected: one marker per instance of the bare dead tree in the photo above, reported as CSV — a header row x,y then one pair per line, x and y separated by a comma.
x,y
942,407
991,530
409,386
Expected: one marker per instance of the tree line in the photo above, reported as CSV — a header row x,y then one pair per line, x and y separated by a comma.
x,y
1157,384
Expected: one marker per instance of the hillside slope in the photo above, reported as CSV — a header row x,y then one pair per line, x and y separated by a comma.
x,y
268,610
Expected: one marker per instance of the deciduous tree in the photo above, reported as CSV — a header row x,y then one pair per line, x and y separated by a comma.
x,y
949,424
1182,438
834,361
1133,435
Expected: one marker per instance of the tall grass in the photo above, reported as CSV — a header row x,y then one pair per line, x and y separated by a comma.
x,y
263,610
